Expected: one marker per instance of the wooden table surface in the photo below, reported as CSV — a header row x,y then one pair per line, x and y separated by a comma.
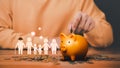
x,y
7,62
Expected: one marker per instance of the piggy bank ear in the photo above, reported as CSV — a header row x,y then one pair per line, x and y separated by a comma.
x,y
62,35
72,36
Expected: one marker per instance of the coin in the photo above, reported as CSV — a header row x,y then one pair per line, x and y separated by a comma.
x,y
7,58
89,62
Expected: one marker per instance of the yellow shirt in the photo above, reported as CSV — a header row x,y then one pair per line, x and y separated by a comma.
x,y
20,17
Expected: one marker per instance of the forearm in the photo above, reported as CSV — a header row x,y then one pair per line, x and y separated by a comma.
x,y
8,38
101,35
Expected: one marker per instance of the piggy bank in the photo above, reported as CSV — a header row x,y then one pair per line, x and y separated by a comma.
x,y
73,46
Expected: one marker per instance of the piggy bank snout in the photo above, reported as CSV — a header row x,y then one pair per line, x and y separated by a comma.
x,y
63,48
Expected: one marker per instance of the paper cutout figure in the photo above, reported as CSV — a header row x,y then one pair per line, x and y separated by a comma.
x,y
54,46
35,49
20,44
29,45
46,46
40,49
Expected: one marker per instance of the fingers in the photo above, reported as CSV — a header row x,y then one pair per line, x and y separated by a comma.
x,y
91,26
75,22
81,22
87,25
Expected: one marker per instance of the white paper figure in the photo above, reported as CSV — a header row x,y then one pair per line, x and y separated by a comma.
x,y
29,45
40,49
20,44
54,46
35,49
46,46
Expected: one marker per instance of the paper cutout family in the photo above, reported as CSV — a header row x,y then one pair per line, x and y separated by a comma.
x,y
36,49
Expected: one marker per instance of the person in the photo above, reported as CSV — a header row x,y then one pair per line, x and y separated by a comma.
x,y
46,46
54,46
40,49
29,45
20,17
20,45
35,49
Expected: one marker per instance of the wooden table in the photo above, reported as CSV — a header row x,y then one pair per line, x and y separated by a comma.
x,y
6,62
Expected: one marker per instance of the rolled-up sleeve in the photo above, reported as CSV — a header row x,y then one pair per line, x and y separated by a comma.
x,y
102,34
7,35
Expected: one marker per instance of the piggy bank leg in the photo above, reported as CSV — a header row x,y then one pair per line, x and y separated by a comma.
x,y
72,58
62,58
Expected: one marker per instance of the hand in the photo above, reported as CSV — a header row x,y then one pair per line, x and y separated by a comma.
x,y
81,23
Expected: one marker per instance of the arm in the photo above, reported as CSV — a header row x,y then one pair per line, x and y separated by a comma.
x,y
49,46
24,45
57,45
101,35
8,37
16,46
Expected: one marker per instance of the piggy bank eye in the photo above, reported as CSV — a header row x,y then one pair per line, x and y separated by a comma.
x,y
61,41
68,42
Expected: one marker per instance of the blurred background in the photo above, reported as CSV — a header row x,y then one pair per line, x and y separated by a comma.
x,y
111,8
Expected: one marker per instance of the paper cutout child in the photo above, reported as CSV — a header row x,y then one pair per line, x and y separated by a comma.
x,y
46,46
40,49
20,44
54,46
35,49
29,45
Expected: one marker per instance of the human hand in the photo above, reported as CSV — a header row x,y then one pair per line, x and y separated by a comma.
x,y
81,23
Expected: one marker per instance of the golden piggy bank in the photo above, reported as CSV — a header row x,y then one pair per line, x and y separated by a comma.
x,y
73,46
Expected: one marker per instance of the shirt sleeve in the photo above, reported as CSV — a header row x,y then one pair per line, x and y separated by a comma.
x,y
102,34
8,37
